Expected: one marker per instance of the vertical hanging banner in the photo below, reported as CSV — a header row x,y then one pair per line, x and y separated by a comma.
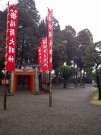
x,y
12,19
50,39
40,58
44,54
39,55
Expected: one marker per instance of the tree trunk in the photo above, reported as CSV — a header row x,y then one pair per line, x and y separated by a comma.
x,y
83,82
75,79
65,83
80,78
99,87
57,79
98,84
99,98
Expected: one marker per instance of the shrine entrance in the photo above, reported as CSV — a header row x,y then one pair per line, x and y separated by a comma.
x,y
24,78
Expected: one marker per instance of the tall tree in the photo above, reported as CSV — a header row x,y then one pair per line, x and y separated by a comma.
x,y
27,39
43,29
85,39
92,59
59,49
69,39
66,72
3,24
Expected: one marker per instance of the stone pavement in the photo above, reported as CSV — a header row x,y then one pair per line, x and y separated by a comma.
x,y
71,113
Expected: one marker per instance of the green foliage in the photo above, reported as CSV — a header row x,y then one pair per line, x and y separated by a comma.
x,y
92,60
42,30
27,39
66,71
90,73
85,39
59,49
3,21
92,57
70,42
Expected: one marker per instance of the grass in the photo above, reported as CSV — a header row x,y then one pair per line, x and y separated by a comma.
x,y
94,99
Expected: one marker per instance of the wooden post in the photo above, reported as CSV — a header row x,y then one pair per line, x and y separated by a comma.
x,y
50,91
5,99
5,93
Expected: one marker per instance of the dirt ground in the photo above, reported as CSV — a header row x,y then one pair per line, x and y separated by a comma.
x,y
71,113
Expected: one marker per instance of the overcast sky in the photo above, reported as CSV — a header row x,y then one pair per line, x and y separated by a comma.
x,y
80,14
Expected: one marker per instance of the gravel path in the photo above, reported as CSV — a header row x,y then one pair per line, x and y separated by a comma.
x,y
71,113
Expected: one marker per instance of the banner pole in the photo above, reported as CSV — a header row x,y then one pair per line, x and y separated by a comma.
x,y
50,90
50,43
5,91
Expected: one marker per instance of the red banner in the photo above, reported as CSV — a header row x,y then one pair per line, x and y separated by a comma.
x,y
50,39
44,52
40,58
39,55
12,19
43,56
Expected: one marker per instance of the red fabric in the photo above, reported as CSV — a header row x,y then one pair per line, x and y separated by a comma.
x,y
50,41
40,58
12,19
43,56
44,53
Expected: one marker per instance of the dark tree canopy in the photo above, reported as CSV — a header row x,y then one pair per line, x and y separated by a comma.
x,y
27,39
59,49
